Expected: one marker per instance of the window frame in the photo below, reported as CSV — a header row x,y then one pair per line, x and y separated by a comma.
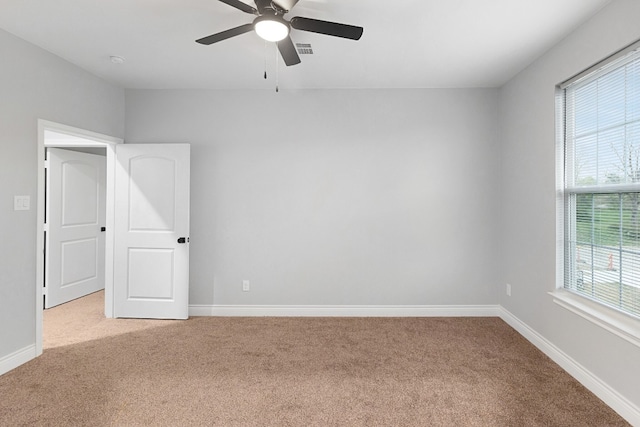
x,y
623,324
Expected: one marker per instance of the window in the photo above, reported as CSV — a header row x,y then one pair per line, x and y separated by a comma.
x,y
600,183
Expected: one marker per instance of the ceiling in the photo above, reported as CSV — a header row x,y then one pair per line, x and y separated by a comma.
x,y
406,43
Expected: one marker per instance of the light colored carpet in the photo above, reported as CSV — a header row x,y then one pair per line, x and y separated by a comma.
x,y
290,372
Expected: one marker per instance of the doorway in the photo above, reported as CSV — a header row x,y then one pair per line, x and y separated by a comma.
x,y
57,135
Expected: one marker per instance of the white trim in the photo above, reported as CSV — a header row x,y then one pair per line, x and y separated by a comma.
x,y
17,358
611,397
109,246
620,324
107,141
560,184
603,189
77,133
346,310
603,64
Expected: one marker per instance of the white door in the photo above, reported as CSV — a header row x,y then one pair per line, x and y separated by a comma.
x,y
75,214
151,247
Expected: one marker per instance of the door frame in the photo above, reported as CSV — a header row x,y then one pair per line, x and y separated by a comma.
x,y
77,138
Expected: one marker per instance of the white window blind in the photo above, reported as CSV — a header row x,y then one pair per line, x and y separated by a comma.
x,y
601,186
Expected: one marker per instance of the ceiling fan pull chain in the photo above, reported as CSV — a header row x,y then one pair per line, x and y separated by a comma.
x,y
277,68
265,60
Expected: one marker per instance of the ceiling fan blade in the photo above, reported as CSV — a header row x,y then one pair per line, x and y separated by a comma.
x,y
286,4
288,51
214,38
240,5
325,27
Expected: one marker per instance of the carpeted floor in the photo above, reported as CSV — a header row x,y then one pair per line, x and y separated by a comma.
x,y
290,372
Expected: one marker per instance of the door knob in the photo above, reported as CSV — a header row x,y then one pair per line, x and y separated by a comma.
x,y
183,240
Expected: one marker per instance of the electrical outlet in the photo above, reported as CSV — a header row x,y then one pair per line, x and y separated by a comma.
x,y
508,289
246,286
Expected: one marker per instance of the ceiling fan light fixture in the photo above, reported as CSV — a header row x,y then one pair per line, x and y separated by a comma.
x,y
271,28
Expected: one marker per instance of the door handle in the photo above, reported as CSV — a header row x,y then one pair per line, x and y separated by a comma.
x,y
183,240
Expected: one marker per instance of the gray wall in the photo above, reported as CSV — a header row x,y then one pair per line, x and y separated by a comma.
x,y
528,205
357,197
35,84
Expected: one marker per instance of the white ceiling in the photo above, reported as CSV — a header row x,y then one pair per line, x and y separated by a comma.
x,y
406,43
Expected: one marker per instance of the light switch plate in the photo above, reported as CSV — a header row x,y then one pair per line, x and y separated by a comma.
x,y
21,203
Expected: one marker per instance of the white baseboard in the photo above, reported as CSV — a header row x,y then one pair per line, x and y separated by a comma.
x,y
17,358
611,397
345,310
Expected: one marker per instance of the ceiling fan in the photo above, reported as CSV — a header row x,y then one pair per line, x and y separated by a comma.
x,y
271,26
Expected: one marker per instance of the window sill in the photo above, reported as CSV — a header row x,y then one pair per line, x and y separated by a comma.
x,y
620,324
